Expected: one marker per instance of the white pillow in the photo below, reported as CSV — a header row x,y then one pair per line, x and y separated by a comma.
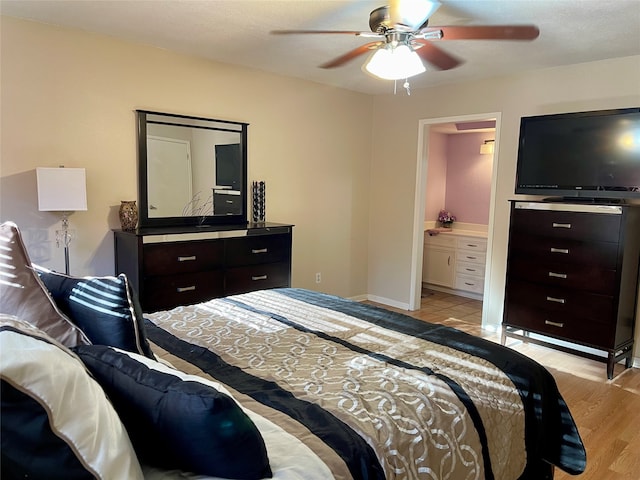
x,y
56,420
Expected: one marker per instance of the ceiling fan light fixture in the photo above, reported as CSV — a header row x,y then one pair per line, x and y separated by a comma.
x,y
394,63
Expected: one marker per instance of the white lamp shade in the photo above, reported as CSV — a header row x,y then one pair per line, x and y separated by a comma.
x,y
61,189
391,63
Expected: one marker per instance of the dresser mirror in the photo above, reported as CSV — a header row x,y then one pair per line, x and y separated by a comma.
x,y
191,170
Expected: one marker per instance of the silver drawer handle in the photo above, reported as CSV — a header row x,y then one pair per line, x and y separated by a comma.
x,y
187,259
470,269
559,250
259,250
229,202
186,289
557,275
561,225
557,300
259,277
554,324
470,284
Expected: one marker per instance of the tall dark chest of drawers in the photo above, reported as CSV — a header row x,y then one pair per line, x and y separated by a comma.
x,y
572,275
171,267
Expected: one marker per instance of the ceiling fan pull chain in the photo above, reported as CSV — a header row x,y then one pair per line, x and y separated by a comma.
x,y
406,86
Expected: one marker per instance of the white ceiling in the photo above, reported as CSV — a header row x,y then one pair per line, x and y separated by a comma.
x,y
237,32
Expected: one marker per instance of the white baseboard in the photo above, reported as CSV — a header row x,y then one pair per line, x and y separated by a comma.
x,y
389,302
359,298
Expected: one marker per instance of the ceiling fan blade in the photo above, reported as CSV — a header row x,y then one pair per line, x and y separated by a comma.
x,y
298,32
350,55
435,55
487,32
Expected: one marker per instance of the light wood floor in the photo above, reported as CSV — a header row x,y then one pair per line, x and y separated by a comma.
x,y
607,412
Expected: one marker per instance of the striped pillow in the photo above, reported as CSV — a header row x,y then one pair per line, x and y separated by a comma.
x,y
105,308
56,420
22,293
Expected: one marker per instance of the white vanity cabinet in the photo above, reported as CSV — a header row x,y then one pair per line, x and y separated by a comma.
x,y
471,256
438,261
456,262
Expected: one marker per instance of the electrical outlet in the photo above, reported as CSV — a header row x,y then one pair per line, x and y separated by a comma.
x,y
318,277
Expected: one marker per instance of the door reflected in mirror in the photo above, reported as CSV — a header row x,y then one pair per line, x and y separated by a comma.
x,y
192,170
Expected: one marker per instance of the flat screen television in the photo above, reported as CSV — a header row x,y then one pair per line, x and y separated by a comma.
x,y
580,156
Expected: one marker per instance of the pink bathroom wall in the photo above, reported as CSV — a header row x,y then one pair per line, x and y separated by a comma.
x,y
468,177
436,175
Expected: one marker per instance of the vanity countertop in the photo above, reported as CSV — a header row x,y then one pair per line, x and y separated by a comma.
x,y
456,232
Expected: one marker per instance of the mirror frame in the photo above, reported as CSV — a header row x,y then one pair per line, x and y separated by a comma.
x,y
187,121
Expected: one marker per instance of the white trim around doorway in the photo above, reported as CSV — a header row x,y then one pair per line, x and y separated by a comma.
x,y
419,206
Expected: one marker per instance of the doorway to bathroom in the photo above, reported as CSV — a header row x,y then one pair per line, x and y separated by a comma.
x,y
466,187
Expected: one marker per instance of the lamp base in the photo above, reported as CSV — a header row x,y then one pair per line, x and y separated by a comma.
x,y
64,237
66,260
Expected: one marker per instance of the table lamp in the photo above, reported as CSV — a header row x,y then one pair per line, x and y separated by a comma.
x,y
62,190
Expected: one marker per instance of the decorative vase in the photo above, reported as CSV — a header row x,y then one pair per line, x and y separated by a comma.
x,y
447,224
258,209
128,214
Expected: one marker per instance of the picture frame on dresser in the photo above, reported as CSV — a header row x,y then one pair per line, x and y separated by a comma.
x,y
572,278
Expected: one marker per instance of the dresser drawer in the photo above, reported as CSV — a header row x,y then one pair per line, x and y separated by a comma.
x,y
472,244
184,265
561,250
600,227
257,250
576,303
227,204
182,257
570,328
162,292
585,277
467,256
470,269
257,277
469,284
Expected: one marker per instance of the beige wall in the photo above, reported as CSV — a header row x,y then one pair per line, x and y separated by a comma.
x,y
591,86
68,97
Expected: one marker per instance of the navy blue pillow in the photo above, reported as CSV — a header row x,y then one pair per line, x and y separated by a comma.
x,y
55,420
175,421
105,308
23,420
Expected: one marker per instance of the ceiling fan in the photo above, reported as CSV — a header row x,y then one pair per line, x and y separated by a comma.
x,y
404,39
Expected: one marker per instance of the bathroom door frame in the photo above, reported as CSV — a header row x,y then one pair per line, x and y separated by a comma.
x,y
424,127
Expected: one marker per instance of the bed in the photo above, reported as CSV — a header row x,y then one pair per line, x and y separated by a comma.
x,y
376,394
288,384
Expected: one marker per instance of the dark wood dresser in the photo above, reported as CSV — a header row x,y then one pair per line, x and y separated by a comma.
x,y
171,266
572,275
